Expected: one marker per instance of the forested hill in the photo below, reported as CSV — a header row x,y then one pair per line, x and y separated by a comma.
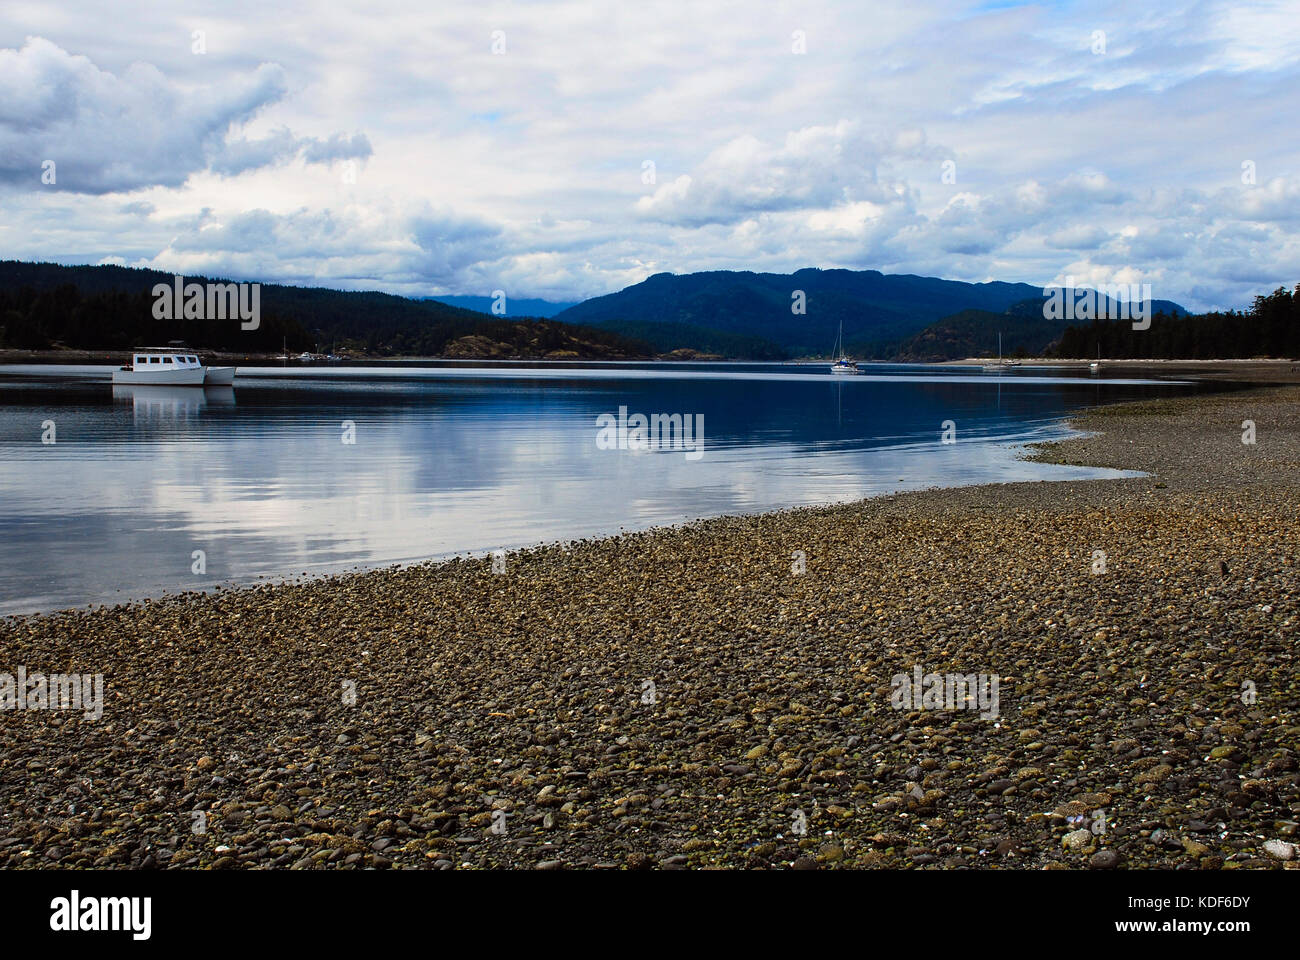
x,y
1270,327
1025,331
877,310
110,307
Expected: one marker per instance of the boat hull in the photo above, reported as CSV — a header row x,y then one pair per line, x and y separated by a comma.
x,y
218,376
188,377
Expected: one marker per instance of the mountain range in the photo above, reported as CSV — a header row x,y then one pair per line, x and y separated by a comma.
x,y
734,314
771,316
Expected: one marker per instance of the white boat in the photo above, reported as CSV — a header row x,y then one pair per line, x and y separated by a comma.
x,y
842,365
171,368
1001,364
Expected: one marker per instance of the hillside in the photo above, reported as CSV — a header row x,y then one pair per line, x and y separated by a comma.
x,y
1025,332
1270,327
878,311
110,307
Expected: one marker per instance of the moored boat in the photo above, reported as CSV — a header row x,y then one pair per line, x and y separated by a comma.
x,y
171,368
1001,364
842,364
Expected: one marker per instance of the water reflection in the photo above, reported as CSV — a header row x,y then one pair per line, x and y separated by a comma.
x,y
157,402
260,476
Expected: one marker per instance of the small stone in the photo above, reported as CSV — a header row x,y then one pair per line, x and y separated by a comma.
x,y
1105,859
1195,848
1077,841
1156,774
1280,849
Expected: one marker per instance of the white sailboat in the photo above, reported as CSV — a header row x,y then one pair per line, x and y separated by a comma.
x,y
1001,364
842,364
996,366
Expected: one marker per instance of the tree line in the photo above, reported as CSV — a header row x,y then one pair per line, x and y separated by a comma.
x,y
1270,327
106,307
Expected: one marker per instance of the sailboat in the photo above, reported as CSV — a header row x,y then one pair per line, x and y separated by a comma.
x,y
1095,367
842,364
999,365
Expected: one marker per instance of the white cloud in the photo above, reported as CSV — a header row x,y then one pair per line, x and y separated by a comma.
x,y
110,134
523,171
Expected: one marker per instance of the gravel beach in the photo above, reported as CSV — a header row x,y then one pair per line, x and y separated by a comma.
x,y
683,698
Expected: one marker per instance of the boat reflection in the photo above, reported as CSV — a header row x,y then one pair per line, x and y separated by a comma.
x,y
150,402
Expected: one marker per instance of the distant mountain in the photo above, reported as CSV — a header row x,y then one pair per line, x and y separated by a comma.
x,y
1025,332
111,307
515,306
879,311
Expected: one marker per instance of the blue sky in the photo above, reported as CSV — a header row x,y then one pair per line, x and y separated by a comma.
x,y
480,146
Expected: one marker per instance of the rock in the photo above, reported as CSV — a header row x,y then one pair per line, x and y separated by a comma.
x,y
1104,859
1280,849
1195,848
1077,841
830,854
1156,774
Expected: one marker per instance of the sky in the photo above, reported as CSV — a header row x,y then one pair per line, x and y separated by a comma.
x,y
569,149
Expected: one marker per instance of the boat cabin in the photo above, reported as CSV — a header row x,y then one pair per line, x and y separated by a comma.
x,y
164,361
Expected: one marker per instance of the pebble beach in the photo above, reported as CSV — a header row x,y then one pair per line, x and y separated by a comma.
x,y
723,694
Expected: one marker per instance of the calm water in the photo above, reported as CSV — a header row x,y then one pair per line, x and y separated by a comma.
x,y
459,457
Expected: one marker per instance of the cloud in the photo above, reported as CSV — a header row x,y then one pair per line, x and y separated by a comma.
x,y
109,134
523,171
811,168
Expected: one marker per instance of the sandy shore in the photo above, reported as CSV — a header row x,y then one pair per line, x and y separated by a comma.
x,y
681,698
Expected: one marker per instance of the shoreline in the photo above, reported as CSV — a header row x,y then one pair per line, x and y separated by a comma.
x,y
525,693
1278,371
1258,371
